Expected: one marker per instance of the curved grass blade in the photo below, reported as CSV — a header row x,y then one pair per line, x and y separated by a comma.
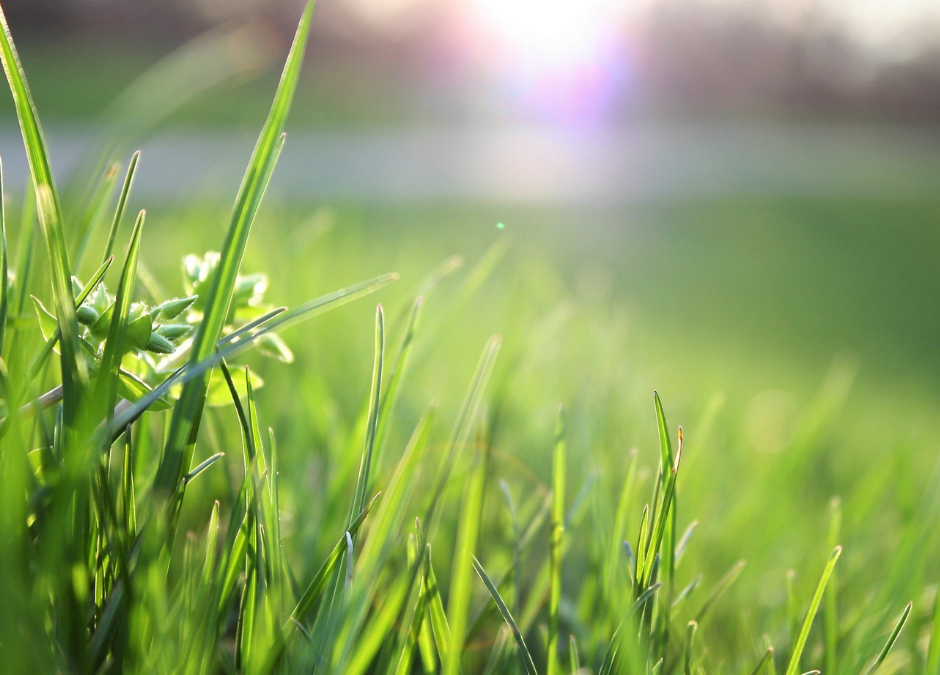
x,y
507,617
891,639
690,631
188,409
794,666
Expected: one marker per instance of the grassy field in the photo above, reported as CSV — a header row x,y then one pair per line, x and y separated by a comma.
x,y
792,340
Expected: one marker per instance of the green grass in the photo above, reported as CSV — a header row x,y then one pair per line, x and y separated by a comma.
x,y
193,483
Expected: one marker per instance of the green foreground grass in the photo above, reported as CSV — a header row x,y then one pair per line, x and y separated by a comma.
x,y
422,504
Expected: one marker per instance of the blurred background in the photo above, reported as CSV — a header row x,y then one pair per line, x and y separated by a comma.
x,y
734,201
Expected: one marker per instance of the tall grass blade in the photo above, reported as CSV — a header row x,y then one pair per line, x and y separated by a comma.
x,y
507,617
106,387
883,654
122,204
794,666
375,396
50,217
188,409
557,532
461,589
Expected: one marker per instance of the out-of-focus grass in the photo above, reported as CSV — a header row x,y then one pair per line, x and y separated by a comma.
x,y
792,339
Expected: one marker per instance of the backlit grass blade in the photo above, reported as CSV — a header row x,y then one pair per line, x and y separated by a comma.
x,y
574,658
122,204
932,664
4,264
438,619
188,409
375,395
883,654
468,527
507,617
690,631
831,607
557,532
794,667
665,445
106,387
394,381
50,217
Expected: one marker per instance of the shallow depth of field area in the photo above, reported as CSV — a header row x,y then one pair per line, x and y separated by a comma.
x,y
420,396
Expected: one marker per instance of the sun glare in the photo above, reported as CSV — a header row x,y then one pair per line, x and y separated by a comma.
x,y
554,32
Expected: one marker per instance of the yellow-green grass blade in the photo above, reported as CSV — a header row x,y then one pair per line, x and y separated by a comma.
x,y
830,609
4,264
390,395
122,204
50,217
665,445
188,410
574,658
690,631
768,657
932,664
438,619
375,396
794,665
557,532
507,617
461,590
662,516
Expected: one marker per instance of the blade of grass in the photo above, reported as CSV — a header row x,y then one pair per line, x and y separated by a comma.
x,y
438,619
507,617
794,666
50,216
831,608
122,204
932,664
891,639
375,395
106,387
468,527
557,529
188,409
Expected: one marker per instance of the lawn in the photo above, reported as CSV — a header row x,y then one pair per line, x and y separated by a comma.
x,y
793,340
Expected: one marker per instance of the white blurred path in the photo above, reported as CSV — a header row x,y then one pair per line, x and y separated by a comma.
x,y
535,165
